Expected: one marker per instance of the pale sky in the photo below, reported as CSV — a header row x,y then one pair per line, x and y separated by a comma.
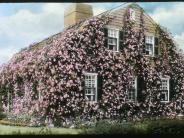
x,y
22,24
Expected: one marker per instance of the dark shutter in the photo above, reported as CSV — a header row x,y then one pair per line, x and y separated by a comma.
x,y
121,39
140,86
83,87
156,47
144,45
156,41
156,50
144,49
121,35
99,88
105,30
171,89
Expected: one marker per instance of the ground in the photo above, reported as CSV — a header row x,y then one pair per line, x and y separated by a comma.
x,y
9,130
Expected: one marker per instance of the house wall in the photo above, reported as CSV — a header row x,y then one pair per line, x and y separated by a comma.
x,y
118,16
150,25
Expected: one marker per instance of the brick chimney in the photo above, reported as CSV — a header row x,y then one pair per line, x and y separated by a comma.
x,y
77,12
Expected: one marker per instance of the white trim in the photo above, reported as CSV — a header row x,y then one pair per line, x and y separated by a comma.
x,y
168,87
88,73
135,88
153,43
96,91
116,29
133,100
39,95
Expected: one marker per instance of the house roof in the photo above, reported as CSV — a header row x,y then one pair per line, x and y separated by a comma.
x,y
34,48
77,25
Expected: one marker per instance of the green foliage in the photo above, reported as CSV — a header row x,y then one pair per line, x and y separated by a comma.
x,y
10,123
107,127
83,124
43,131
2,115
21,120
151,127
166,126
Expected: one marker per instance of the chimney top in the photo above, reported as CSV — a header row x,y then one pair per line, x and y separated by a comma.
x,y
77,12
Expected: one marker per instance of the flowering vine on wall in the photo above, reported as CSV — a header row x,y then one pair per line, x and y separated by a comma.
x,y
49,82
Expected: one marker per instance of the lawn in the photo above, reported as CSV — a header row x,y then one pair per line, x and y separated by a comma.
x,y
17,130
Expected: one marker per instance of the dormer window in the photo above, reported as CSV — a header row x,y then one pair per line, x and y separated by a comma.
x,y
132,14
149,45
113,37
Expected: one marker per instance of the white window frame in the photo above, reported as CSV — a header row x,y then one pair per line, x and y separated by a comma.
x,y
113,35
150,41
95,85
132,14
168,93
135,92
39,95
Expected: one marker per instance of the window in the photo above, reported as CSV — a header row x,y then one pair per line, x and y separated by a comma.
x,y
149,45
132,14
164,88
113,38
132,91
91,86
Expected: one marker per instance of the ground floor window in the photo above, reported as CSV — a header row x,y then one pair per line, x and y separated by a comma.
x,y
132,91
164,89
91,86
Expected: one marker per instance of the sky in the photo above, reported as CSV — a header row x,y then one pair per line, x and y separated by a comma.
x,y
22,24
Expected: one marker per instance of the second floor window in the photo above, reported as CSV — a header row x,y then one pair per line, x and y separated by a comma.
x,y
91,87
132,91
113,37
149,45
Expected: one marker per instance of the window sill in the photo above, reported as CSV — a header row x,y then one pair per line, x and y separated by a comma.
x,y
131,101
113,51
149,55
91,102
164,102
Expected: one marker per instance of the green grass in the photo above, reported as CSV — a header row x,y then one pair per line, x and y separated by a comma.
x,y
17,130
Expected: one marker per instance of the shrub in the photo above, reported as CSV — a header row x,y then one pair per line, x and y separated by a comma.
x,y
6,122
107,127
43,131
84,123
166,126
2,115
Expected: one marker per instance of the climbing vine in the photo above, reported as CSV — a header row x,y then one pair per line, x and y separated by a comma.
x,y
49,82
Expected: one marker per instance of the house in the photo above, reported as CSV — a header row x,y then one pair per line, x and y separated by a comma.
x,y
116,65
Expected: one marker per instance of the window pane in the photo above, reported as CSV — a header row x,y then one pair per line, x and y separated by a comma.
x,y
112,39
90,87
149,39
111,47
164,90
131,96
